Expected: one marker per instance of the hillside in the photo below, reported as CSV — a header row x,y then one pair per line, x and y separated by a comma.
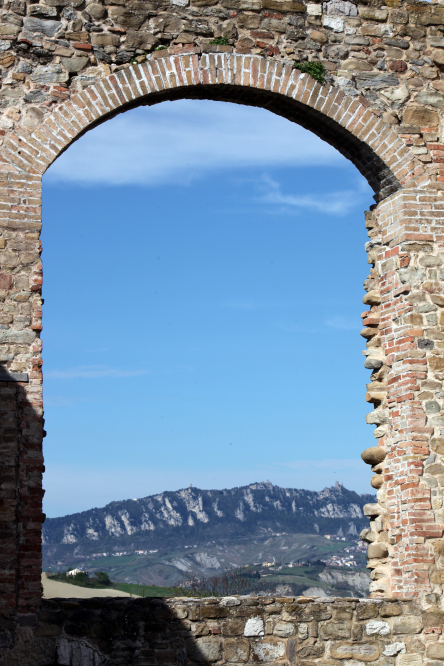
x,y
196,515
154,540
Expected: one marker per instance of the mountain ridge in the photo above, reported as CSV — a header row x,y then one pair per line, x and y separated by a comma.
x,y
193,513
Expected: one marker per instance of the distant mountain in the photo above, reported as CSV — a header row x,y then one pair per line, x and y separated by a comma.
x,y
196,516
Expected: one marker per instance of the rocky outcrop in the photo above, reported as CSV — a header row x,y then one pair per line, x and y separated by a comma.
x,y
257,507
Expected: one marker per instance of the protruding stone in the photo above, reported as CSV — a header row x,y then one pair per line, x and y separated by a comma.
x,y
377,417
373,510
375,397
376,481
373,363
373,297
369,331
373,455
377,551
367,535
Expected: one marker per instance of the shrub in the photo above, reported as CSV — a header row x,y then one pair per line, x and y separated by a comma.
x,y
230,583
102,578
313,68
220,41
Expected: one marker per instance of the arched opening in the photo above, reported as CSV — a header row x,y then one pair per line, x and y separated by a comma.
x,y
263,337
30,155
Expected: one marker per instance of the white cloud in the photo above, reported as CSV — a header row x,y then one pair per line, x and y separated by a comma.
x,y
182,140
332,203
92,372
78,487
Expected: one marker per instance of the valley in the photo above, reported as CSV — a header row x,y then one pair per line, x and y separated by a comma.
x,y
266,531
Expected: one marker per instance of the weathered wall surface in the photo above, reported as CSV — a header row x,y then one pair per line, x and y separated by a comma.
x,y
239,630
67,65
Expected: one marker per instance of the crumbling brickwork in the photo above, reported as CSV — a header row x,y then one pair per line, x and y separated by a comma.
x,y
68,65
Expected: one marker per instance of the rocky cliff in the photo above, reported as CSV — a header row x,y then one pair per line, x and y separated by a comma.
x,y
199,515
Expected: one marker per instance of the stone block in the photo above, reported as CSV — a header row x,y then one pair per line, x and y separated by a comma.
x,y
204,649
409,660
74,64
435,651
233,627
213,611
309,652
104,39
335,630
356,651
254,627
267,650
46,630
49,74
236,650
373,14
96,10
366,611
283,629
392,649
377,627
47,28
406,625
390,610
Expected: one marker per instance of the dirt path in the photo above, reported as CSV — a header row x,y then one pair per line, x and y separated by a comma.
x,y
53,588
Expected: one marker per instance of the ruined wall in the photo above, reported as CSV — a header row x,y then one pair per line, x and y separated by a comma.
x,y
67,65
239,630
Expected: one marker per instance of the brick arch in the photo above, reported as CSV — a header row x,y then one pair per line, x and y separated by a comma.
x,y
347,123
405,235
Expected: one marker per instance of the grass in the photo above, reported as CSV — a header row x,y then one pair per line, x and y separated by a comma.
x,y
144,590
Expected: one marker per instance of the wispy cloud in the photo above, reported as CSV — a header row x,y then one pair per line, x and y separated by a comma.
x,y
344,323
93,372
332,203
184,140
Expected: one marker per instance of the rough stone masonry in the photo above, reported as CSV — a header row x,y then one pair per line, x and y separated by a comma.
x,y
67,65
231,630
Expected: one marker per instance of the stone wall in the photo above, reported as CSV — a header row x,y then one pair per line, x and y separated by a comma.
x,y
231,630
68,65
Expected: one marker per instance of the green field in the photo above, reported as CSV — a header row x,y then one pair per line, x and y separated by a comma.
x,y
145,590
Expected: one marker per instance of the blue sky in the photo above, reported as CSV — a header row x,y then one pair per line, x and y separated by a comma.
x,y
203,269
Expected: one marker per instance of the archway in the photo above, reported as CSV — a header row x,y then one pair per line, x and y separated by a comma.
x,y
399,232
